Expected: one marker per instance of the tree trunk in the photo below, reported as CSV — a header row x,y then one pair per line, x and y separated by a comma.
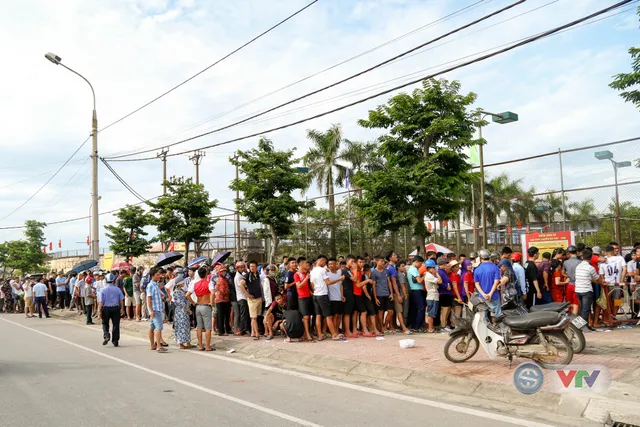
x,y
274,245
362,231
186,251
458,236
332,209
394,241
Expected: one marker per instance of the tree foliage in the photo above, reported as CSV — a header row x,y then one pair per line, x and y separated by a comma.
x,y
269,179
184,213
425,172
25,255
128,237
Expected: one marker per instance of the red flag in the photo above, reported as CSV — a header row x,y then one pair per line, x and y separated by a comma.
x,y
44,249
519,224
171,246
508,229
444,223
527,229
546,228
60,243
429,227
88,240
133,235
50,246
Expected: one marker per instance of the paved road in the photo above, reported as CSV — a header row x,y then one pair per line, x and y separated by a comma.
x,y
54,373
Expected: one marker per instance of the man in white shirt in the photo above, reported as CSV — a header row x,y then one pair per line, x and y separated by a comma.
x,y
98,286
40,293
28,298
584,275
613,272
322,306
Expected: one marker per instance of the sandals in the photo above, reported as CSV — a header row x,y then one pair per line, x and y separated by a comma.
x,y
200,348
368,335
154,348
210,349
162,350
339,338
164,344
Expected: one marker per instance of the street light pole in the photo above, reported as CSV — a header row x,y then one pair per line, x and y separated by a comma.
x,y
95,229
502,118
608,155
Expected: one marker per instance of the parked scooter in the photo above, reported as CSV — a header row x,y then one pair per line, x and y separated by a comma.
x,y
573,331
538,336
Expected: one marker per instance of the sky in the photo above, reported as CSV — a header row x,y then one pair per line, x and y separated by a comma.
x,y
133,50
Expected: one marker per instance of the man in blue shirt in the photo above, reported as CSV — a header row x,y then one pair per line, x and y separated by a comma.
x,y
40,295
61,289
418,302
487,277
156,308
111,308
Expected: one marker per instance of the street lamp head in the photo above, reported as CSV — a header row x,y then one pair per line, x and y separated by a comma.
x,y
624,164
504,118
53,58
604,155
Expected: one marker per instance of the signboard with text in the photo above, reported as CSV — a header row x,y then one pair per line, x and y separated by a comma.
x,y
547,242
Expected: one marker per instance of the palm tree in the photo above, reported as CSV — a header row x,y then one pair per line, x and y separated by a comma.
x,y
499,195
554,207
325,160
527,207
582,213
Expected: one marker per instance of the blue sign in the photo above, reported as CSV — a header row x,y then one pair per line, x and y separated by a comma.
x,y
528,378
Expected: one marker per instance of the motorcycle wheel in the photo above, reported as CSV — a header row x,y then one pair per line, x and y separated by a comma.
x,y
564,351
576,338
460,348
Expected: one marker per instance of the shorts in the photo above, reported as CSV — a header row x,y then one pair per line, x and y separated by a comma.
x,y
446,300
337,307
203,317
305,306
371,309
432,308
349,304
156,322
571,296
136,297
321,305
255,307
385,304
398,307
359,304
292,301
128,301
28,302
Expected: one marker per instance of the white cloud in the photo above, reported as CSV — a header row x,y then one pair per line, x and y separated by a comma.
x,y
133,51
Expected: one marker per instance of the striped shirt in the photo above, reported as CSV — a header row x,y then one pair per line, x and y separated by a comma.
x,y
584,274
153,291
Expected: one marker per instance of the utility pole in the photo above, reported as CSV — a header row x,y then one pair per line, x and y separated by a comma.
x,y
196,158
237,254
163,155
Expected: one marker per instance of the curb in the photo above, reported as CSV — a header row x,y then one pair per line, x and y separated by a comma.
x,y
587,408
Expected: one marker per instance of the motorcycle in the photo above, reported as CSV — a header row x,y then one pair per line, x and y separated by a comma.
x,y
537,336
574,329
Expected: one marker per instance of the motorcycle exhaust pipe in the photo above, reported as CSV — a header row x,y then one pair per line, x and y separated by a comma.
x,y
560,325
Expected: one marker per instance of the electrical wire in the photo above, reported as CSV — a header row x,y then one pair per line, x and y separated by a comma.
x,y
482,58
210,66
123,182
58,199
353,76
48,181
238,107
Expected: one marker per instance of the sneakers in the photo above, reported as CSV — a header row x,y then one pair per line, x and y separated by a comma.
x,y
446,329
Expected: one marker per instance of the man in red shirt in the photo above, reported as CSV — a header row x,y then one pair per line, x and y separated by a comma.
x,y
305,303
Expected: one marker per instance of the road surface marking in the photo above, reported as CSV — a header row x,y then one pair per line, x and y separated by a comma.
x,y
177,380
383,393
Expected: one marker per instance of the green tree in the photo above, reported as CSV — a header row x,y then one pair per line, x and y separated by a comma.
x,y
582,215
425,171
128,237
501,198
18,254
33,244
326,160
269,179
184,213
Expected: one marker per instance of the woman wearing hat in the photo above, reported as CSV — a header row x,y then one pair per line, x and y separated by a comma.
x,y
182,307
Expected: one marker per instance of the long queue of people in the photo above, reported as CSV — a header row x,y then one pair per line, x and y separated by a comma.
x,y
329,298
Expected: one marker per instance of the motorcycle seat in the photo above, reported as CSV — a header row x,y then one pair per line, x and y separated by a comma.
x,y
532,320
552,306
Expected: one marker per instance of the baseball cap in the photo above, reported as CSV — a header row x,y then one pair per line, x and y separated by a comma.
x,y
442,261
430,263
596,250
572,249
110,278
516,256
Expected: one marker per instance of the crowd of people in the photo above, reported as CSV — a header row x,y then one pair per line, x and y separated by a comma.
x,y
330,298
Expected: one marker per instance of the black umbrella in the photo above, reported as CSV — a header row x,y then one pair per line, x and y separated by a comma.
x,y
221,257
83,266
168,258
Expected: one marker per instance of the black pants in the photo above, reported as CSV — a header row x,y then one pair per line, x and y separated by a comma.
x,y
62,297
586,301
67,298
113,314
223,317
88,309
245,326
41,305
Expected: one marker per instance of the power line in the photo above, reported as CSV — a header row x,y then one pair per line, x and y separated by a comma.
x,y
48,181
353,76
67,183
210,66
430,24
123,182
482,58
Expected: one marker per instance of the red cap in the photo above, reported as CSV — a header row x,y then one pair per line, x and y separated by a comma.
x,y
516,256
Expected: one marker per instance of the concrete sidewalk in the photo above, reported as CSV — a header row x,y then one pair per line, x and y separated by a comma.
x,y
425,367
